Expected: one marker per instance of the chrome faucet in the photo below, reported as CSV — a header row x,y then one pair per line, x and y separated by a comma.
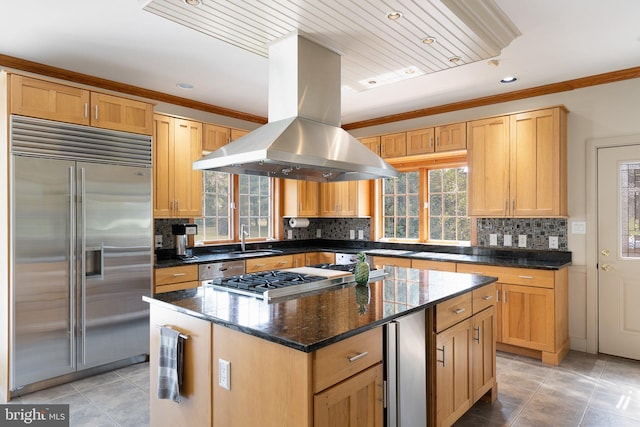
x,y
243,234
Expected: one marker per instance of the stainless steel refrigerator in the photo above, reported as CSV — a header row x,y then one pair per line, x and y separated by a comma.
x,y
81,254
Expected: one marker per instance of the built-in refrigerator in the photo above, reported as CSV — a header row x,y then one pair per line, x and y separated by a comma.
x,y
81,250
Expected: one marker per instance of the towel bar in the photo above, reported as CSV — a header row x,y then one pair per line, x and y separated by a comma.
x,y
183,336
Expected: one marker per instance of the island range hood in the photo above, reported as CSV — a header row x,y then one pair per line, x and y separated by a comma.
x,y
303,138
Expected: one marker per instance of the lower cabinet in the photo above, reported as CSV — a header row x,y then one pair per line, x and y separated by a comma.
x,y
175,278
194,410
464,355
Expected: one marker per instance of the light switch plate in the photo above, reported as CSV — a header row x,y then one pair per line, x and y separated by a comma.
x,y
553,242
158,241
289,234
507,240
493,240
352,234
578,227
224,374
522,241
318,233
360,234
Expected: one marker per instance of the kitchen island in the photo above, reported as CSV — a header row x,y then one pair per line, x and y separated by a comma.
x,y
310,360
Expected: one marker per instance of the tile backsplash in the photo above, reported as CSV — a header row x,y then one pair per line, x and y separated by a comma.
x,y
330,228
537,230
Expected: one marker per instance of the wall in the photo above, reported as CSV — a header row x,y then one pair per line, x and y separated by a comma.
x,y
595,112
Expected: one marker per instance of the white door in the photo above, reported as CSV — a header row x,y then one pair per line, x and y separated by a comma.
x,y
619,251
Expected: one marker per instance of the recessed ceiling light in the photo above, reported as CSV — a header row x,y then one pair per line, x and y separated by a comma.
x,y
455,59
185,86
429,40
409,71
372,82
192,2
508,79
394,15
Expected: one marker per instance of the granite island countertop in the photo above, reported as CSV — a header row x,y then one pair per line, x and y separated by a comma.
x,y
313,321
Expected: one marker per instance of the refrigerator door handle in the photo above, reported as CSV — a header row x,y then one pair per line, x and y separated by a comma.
x,y
83,265
72,281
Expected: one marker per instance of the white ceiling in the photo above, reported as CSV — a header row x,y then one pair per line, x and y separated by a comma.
x,y
118,40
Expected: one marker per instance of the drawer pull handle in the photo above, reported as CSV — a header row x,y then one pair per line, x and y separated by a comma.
x,y
179,274
358,356
526,277
443,355
487,297
459,310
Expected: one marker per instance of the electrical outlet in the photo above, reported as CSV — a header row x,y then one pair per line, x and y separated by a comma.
x,y
507,240
318,233
493,240
158,241
360,234
553,242
352,234
522,241
289,234
224,374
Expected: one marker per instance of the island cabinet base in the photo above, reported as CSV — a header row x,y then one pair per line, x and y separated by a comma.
x,y
194,410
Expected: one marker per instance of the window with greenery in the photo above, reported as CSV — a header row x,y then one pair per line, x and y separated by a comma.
x,y
448,218
254,207
401,216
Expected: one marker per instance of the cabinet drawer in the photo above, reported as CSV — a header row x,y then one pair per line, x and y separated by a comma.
x,y
391,261
484,297
345,358
433,265
183,273
450,312
516,276
176,287
268,263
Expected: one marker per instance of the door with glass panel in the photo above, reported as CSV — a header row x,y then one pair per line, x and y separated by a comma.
x,y
619,250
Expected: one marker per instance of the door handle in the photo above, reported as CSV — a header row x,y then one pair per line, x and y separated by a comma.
x,y
605,252
606,267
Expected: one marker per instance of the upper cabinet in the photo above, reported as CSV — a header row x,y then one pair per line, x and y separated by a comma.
x,y
393,145
451,137
214,137
423,141
420,141
177,143
43,99
333,199
301,198
372,143
518,164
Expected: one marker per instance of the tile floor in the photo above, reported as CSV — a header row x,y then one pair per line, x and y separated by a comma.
x,y
585,390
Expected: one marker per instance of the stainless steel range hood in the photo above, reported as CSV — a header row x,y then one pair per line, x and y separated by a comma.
x,y
303,139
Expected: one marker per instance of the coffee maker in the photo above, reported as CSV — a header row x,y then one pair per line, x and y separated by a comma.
x,y
182,233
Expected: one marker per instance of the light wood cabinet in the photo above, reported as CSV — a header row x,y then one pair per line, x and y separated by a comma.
x,y
427,264
278,262
393,145
483,351
345,199
451,137
197,387
531,311
175,278
313,258
517,165
301,198
488,165
53,101
420,141
372,143
214,137
177,187
391,261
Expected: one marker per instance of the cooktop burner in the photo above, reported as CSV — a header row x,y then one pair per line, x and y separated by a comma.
x,y
260,282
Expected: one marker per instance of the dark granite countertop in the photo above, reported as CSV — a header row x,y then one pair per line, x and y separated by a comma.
x,y
548,260
314,321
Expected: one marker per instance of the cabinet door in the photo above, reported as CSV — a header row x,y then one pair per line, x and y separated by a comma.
x,y
538,164
393,145
528,317
127,115
46,100
420,141
451,137
196,390
355,402
488,163
187,182
163,142
483,350
453,391
372,143
214,137
308,198
427,264
299,260
238,133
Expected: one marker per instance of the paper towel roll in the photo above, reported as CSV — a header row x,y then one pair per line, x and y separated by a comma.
x,y
299,222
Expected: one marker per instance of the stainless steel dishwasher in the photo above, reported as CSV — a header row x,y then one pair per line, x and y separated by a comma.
x,y
213,270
